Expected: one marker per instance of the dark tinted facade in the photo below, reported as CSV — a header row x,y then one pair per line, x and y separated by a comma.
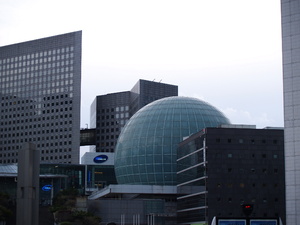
x,y
87,137
40,84
109,113
145,92
221,168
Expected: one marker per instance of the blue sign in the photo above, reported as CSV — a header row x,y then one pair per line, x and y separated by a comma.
x,y
100,158
231,222
47,187
263,222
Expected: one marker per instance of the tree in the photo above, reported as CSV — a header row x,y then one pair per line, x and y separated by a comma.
x,y
5,212
65,211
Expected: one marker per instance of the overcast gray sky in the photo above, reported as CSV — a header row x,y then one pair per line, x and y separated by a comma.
x,y
227,53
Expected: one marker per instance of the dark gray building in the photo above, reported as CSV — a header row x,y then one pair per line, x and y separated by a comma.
x,y
40,85
110,112
290,19
221,168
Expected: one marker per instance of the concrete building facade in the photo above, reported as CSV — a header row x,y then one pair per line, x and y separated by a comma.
x,y
290,17
40,86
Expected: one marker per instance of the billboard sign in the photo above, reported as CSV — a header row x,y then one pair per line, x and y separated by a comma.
x,y
100,158
47,187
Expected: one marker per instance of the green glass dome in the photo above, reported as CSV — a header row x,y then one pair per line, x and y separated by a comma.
x,y
146,151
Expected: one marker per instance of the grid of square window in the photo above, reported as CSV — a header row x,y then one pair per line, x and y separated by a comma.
x,y
36,74
110,122
37,99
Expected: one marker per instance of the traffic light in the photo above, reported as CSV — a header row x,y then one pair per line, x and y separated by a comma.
x,y
247,209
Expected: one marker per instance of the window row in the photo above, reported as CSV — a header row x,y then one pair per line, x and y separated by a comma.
x,y
117,116
47,137
28,92
37,125
243,155
107,137
31,107
36,55
253,170
8,161
16,121
105,149
46,158
19,85
60,131
38,77
241,141
243,185
122,108
58,60
15,154
9,75
32,139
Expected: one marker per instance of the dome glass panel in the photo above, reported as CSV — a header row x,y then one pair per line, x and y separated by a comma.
x,y
146,151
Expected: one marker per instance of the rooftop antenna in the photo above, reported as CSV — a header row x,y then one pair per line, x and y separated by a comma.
x,y
160,80
153,80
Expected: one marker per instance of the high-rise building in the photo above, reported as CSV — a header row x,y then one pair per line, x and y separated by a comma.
x,y
110,112
290,17
40,85
220,169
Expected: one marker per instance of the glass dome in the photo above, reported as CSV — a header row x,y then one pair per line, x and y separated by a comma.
x,y
146,151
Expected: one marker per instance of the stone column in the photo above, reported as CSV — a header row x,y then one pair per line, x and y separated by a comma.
x,y
28,185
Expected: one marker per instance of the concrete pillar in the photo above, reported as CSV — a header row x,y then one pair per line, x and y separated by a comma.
x,y
28,185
